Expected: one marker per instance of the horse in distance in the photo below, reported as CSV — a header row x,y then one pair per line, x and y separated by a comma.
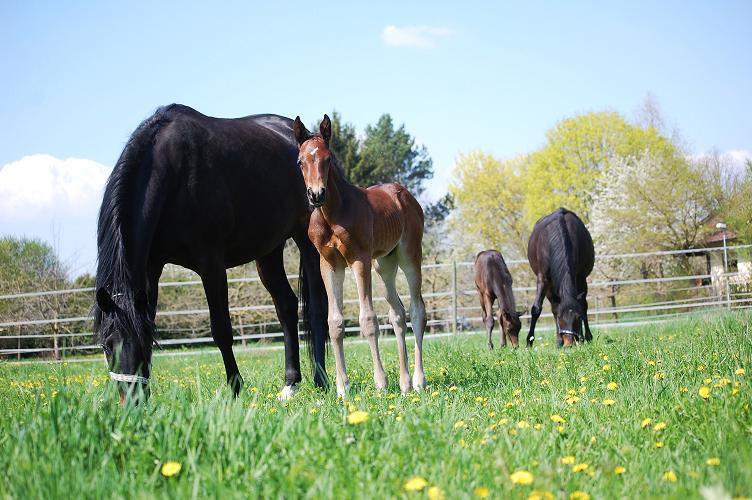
x,y
561,255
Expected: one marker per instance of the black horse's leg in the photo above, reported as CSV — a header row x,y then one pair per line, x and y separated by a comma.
x,y
318,306
582,298
271,270
214,278
535,310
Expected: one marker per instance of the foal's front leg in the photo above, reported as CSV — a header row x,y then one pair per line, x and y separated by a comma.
x,y
369,325
333,275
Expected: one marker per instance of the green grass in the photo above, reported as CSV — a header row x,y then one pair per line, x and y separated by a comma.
x,y
62,433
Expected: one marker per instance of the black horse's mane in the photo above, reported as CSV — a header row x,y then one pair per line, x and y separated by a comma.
x,y
113,270
562,265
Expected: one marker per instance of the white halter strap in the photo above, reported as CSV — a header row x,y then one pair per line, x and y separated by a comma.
x,y
564,331
131,379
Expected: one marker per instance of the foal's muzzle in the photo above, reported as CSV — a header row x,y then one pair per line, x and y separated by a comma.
x,y
316,198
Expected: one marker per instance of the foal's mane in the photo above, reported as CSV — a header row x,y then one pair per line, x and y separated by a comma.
x,y
562,267
113,269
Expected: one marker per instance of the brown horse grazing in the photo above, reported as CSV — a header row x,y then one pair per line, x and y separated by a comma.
x,y
352,226
561,255
493,281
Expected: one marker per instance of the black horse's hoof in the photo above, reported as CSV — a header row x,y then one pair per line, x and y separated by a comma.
x,y
236,384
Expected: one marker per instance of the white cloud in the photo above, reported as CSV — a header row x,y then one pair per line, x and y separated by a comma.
x,y
39,184
56,201
424,37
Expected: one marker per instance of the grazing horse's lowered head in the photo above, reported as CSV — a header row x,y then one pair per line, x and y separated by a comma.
x,y
569,320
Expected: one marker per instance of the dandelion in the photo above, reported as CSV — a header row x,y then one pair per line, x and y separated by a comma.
x,y
651,363
521,477
713,461
619,470
669,476
660,426
434,394
568,460
608,402
416,399
704,392
606,368
545,381
580,467
459,424
701,368
579,495
435,493
683,390
540,495
739,371
481,492
659,376
560,429
659,444
572,400
646,422
453,388
357,417
415,484
558,419
170,469
522,424
612,386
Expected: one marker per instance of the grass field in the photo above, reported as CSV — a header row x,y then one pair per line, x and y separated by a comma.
x,y
485,417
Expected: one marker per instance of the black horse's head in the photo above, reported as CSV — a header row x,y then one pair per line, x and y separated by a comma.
x,y
569,322
126,333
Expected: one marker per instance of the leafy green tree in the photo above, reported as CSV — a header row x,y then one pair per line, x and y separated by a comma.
x,y
737,205
489,198
345,145
25,264
391,155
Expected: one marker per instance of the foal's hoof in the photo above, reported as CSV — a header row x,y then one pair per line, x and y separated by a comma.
x,y
419,381
406,385
342,391
287,392
490,346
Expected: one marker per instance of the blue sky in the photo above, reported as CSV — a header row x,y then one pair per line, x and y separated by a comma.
x,y
77,78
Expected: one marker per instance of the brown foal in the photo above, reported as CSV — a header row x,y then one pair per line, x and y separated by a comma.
x,y
352,226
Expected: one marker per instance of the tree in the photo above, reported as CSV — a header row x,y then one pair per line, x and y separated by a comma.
x,y
489,198
391,155
736,208
345,146
565,172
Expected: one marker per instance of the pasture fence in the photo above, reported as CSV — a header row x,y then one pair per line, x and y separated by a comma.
x,y
625,289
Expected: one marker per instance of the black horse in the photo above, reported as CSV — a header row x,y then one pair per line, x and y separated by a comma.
x,y
493,281
207,194
561,255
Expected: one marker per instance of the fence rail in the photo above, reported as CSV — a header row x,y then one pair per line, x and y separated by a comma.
x,y
449,293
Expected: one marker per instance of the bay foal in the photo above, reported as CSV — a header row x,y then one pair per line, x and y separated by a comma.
x,y
493,281
352,226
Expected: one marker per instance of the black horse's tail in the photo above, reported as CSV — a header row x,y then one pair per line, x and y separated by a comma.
x,y
315,338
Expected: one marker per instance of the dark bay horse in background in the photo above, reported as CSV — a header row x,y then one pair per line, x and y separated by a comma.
x,y
207,194
354,227
493,281
561,255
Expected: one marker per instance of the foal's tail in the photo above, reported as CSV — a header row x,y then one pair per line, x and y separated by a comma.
x,y
315,337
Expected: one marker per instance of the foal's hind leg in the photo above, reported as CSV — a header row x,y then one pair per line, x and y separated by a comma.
x,y
411,268
369,326
387,269
271,270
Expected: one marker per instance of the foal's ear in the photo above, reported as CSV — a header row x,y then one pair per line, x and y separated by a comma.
x,y
104,301
326,129
301,133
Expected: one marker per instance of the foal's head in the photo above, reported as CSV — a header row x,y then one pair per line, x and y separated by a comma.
x,y
511,325
314,158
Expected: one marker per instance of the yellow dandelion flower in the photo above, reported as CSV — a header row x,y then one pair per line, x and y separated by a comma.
x,y
593,440
704,392
683,390
659,444
571,392
398,418
579,495
459,424
707,380
606,368
734,391
713,461
557,419
608,402
545,381
415,484
572,400
619,470
435,493
568,460
669,476
651,362
646,422
504,421
415,399
522,424
560,428
537,427
516,392
521,477
660,426
492,414
540,495
481,492
739,371
580,467
170,469
700,368
357,417
659,376
434,394
583,379
612,386
453,388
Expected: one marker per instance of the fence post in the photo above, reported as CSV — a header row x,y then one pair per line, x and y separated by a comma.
x,y
454,296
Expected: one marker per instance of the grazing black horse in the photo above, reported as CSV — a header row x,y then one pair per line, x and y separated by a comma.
x,y
493,281
207,194
561,255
